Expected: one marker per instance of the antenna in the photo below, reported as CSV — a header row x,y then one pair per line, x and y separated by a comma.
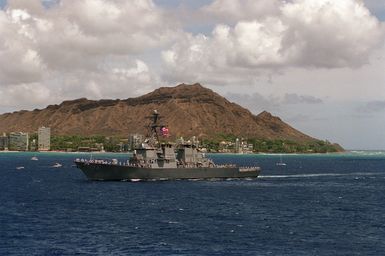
x,y
153,127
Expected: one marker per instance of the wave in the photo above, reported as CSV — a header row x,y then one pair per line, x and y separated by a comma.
x,y
367,152
319,175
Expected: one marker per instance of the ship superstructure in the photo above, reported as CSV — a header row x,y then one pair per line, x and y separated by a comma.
x,y
154,160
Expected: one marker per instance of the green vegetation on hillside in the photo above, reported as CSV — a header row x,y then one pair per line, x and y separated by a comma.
x,y
227,143
287,146
221,143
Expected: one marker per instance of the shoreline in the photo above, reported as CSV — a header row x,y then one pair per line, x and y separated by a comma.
x,y
212,153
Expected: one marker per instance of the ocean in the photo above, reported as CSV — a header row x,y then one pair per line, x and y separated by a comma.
x,y
332,204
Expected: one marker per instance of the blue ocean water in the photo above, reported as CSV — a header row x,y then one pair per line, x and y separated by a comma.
x,y
315,205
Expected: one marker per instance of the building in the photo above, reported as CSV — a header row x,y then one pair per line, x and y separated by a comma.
x,y
44,138
134,141
33,145
242,147
237,146
99,147
18,141
4,142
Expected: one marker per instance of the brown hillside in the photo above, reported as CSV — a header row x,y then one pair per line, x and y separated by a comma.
x,y
186,109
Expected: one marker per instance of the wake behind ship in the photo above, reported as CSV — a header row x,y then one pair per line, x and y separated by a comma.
x,y
166,161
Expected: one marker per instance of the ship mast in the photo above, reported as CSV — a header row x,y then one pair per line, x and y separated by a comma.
x,y
154,125
153,128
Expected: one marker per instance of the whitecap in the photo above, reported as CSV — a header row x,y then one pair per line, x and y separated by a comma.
x,y
318,175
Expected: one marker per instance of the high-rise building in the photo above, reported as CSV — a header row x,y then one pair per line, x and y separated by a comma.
x,y
237,146
44,138
134,141
4,142
18,141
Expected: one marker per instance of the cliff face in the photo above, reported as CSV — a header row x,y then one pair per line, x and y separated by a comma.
x,y
187,110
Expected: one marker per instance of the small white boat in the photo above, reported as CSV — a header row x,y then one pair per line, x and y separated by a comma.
x,y
34,158
19,167
280,163
57,165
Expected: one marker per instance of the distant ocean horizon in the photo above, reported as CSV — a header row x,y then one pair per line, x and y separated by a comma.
x,y
317,204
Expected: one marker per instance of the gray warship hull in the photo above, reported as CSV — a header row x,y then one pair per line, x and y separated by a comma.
x,y
152,160
110,172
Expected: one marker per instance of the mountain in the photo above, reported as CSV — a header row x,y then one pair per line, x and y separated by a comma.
x,y
186,109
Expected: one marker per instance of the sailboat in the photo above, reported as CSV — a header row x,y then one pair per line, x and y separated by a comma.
x,y
280,163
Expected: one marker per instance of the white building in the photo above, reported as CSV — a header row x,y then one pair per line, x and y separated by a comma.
x,y
18,141
4,142
44,138
134,141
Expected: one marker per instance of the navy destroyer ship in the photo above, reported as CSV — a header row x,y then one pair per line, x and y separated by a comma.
x,y
153,160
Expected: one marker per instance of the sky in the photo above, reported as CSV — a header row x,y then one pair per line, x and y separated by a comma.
x,y
317,64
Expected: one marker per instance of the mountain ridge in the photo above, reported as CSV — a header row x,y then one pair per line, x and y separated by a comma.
x,y
187,109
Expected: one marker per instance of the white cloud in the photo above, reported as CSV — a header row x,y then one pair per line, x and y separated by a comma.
x,y
333,33
301,33
119,78
236,10
78,34
79,48
19,61
24,95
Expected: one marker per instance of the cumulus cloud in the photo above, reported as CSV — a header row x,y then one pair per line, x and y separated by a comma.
x,y
94,27
22,96
299,33
19,59
330,33
119,78
234,11
76,34
52,50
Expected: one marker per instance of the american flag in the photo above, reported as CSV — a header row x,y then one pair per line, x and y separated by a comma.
x,y
164,131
